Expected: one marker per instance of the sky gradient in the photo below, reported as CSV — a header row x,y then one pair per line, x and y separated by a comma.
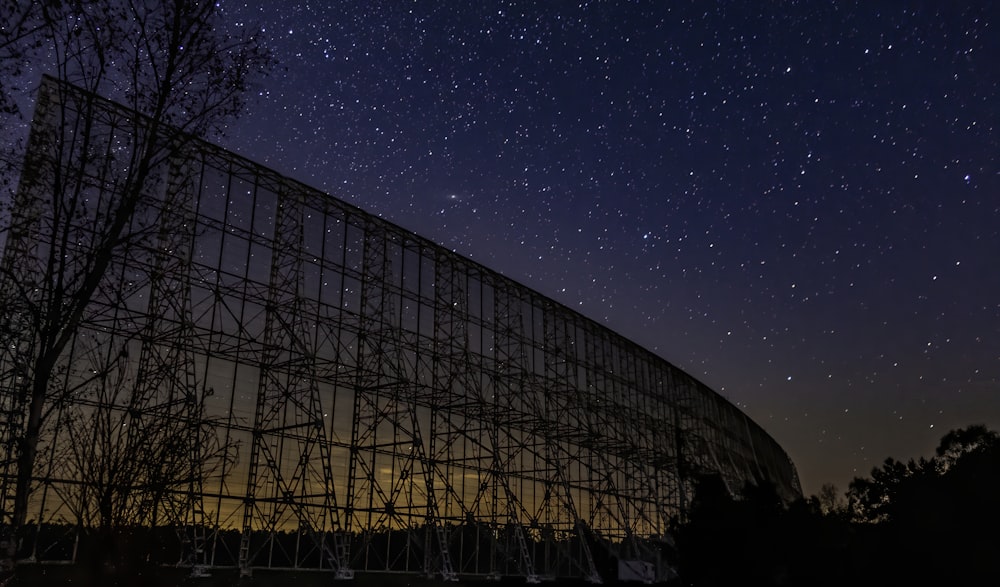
x,y
798,203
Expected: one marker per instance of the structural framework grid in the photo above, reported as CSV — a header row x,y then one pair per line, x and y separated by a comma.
x,y
336,392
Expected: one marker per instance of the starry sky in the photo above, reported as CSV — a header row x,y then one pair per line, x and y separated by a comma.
x,y
796,202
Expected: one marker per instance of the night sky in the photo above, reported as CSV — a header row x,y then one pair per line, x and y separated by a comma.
x,y
796,202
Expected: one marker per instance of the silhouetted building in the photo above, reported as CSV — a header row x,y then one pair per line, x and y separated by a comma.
x,y
337,391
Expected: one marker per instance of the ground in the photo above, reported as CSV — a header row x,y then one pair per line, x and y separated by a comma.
x,y
55,575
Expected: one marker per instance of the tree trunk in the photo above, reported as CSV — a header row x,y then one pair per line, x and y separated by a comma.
x,y
41,376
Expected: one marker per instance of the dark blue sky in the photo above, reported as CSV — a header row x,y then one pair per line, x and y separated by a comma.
x,y
796,202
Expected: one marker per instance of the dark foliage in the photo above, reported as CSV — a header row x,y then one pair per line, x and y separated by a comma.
x,y
755,539
925,522
939,512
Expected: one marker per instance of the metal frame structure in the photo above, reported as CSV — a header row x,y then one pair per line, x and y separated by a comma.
x,y
382,404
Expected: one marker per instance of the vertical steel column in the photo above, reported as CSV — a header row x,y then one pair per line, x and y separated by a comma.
x,y
562,432
290,453
510,420
668,489
368,409
169,324
457,397
386,427
20,254
14,374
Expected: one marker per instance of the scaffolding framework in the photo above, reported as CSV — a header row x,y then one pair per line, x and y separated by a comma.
x,y
381,403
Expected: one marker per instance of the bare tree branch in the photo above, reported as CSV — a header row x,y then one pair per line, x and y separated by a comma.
x,y
87,199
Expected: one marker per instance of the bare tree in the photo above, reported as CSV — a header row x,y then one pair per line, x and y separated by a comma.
x,y
80,205
19,40
135,444
19,25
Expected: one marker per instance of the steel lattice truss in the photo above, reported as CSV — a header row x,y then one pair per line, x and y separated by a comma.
x,y
381,403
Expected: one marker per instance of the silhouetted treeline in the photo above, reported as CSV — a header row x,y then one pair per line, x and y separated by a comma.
x,y
924,522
